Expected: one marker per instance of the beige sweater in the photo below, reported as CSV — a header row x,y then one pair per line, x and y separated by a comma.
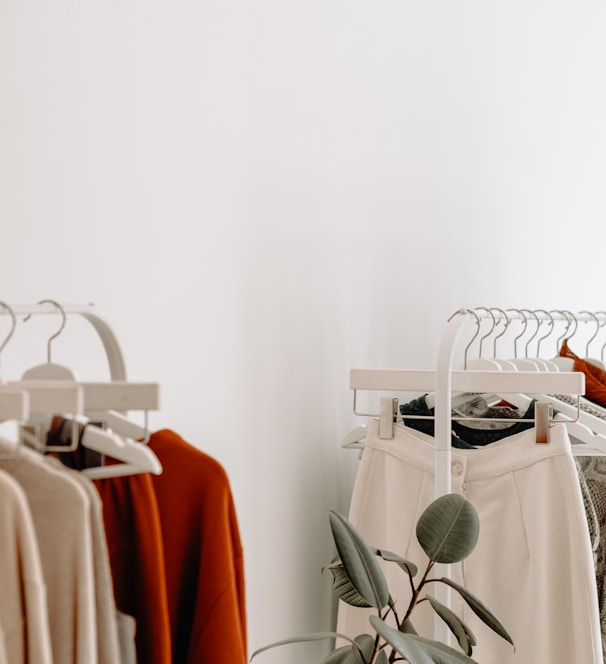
x,y
108,649
23,609
61,511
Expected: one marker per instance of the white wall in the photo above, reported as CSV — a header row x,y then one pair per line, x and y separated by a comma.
x,y
260,196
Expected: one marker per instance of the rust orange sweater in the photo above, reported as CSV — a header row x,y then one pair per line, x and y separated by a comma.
x,y
134,541
202,554
595,378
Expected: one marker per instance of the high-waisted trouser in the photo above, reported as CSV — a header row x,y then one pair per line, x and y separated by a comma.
x,y
532,565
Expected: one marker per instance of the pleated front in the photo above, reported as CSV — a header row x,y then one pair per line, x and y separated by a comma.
x,y
533,564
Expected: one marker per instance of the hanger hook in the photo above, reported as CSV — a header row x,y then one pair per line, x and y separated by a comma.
x,y
494,323
603,313
551,326
595,334
574,319
58,332
473,313
498,336
515,341
11,313
532,313
568,324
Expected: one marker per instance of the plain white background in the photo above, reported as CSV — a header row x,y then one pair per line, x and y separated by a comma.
x,y
260,196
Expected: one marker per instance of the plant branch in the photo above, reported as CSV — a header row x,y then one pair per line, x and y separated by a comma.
x,y
417,590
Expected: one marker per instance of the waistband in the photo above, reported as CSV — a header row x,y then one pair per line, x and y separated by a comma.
x,y
506,455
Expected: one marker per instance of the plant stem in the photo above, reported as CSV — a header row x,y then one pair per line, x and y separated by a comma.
x,y
417,590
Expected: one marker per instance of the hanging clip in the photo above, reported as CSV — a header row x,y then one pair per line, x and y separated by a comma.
x,y
542,411
389,410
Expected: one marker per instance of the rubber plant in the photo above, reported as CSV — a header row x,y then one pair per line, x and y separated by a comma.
x,y
447,532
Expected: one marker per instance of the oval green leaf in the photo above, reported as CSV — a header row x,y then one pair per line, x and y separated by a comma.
x,y
359,562
480,609
363,653
382,658
455,624
400,642
448,529
344,589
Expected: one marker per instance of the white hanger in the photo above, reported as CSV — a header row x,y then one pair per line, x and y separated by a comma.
x,y
14,405
49,370
592,360
136,458
525,363
105,401
12,330
480,363
565,363
494,363
542,363
580,429
353,439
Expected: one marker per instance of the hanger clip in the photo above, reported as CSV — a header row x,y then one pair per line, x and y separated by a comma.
x,y
542,419
389,410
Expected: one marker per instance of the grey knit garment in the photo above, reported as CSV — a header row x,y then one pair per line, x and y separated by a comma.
x,y
593,470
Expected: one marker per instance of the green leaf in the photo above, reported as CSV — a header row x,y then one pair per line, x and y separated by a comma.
x,y
365,643
400,642
407,627
441,653
455,624
355,654
480,609
470,635
344,589
338,656
382,658
448,529
359,562
316,636
406,565
416,649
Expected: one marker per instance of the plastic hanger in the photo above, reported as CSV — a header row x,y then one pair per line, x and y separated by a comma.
x,y
49,370
487,364
14,406
592,360
480,363
565,363
542,363
524,363
549,364
354,438
136,458
118,422
12,330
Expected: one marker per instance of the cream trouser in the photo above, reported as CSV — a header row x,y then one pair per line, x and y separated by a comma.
x,y
532,566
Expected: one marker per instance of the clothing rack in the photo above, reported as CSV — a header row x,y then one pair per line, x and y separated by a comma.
x,y
444,380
